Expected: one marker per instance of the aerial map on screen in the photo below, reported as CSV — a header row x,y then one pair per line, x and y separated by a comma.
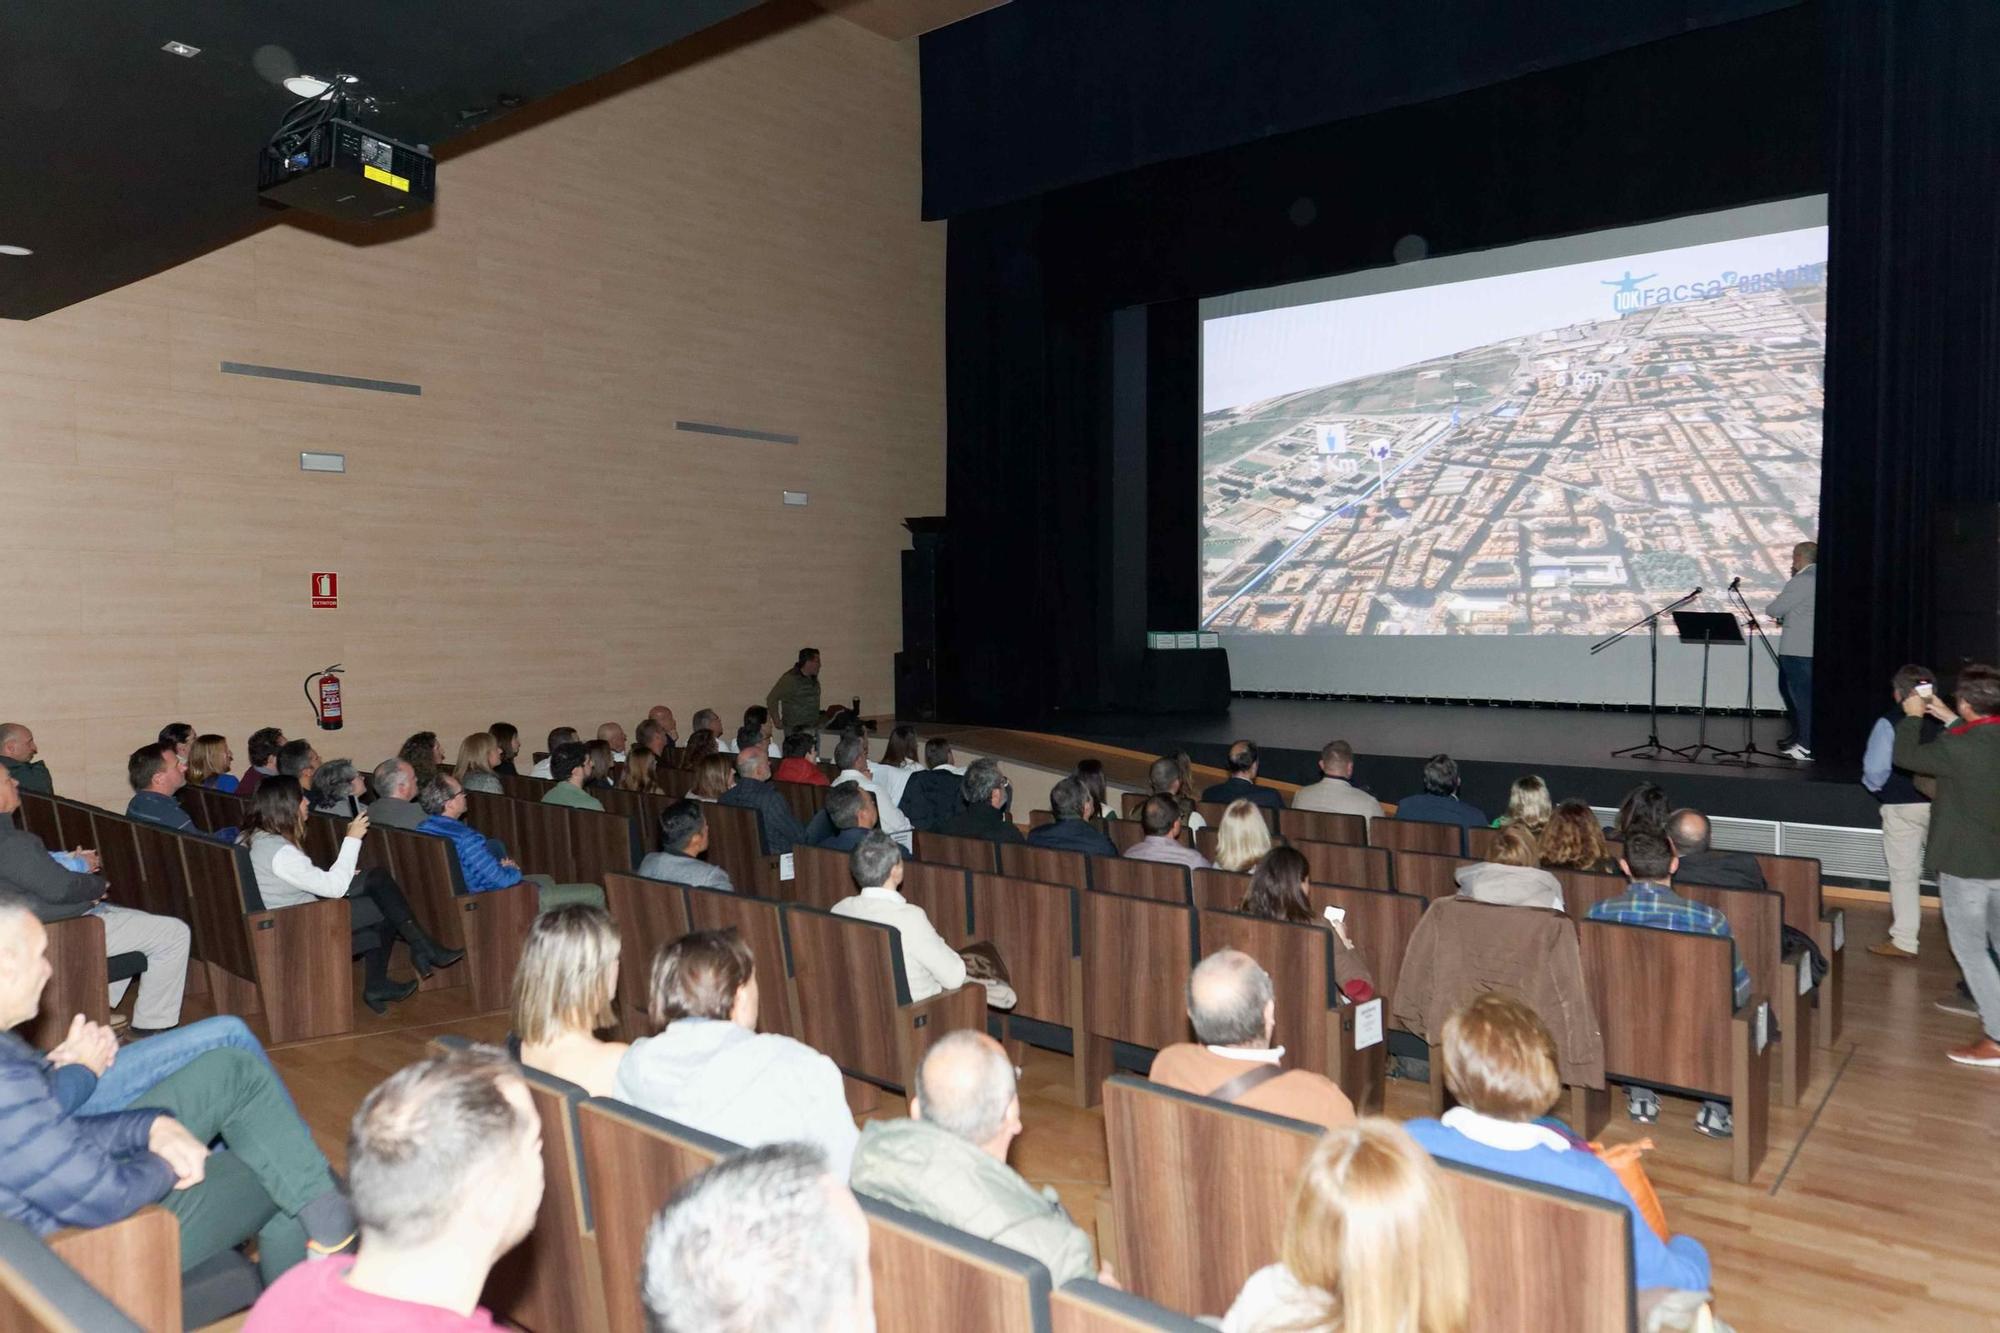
x,y
1555,451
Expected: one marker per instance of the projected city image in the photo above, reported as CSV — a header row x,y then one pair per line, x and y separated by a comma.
x,y
1653,425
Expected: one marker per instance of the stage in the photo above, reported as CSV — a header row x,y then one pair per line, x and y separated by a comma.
x,y
1570,749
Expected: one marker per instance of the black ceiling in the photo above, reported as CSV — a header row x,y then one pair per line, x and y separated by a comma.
x,y
119,159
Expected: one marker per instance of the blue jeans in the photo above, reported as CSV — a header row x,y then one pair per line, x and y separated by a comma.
x,y
1795,688
144,1063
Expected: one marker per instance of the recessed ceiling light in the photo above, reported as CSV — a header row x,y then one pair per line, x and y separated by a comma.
x,y
305,85
17,250
181,49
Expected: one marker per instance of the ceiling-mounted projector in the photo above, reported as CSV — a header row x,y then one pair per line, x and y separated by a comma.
x,y
322,162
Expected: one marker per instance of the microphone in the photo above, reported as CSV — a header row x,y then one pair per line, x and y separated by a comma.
x,y
1733,584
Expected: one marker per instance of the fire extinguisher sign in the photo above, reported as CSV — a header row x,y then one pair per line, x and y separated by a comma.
x,y
326,591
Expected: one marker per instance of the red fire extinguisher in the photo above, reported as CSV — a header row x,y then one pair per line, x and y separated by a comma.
x,y
323,693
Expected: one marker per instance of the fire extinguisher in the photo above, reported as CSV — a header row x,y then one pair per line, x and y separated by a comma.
x,y
323,693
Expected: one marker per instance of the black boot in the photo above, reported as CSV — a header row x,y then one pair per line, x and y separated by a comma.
x,y
426,953
378,991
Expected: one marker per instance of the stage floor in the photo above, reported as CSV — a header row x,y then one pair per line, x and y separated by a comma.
x,y
1570,749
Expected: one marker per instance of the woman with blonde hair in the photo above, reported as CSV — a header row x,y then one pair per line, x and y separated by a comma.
x,y
1527,806
478,762
1372,1244
713,776
563,988
1573,841
209,762
1511,874
1242,838
639,773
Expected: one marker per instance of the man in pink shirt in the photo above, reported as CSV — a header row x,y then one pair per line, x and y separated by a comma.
x,y
444,1164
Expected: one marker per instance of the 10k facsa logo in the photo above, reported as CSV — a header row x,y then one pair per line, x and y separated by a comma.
x,y
1630,293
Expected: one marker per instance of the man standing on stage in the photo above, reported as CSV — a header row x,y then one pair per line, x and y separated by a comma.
x,y
1793,610
1964,845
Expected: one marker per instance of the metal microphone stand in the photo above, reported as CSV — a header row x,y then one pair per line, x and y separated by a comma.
x,y
1652,623
1747,756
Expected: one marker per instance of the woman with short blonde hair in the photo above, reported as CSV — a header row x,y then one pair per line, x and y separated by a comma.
x,y
477,756
209,762
1527,806
1242,837
1372,1245
563,989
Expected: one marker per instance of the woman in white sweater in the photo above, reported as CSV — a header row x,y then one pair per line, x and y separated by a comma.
x,y
274,831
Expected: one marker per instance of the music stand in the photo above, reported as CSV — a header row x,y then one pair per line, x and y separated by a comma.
x,y
1706,628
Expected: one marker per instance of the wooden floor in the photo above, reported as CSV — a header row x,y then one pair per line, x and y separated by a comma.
x,y
1874,1209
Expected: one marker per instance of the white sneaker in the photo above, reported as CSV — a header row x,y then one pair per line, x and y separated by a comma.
x,y
1796,751
999,995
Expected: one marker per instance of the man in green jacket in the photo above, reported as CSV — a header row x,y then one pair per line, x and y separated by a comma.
x,y
568,767
948,1160
17,756
794,700
1964,848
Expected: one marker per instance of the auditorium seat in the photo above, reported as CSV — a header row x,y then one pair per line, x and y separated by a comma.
x,y
1356,867
37,815
1797,880
78,976
495,816
649,915
1211,812
491,927
1137,954
1416,835
602,843
1427,874
39,1293
1320,826
929,1276
736,843
521,787
941,891
1129,803
806,799
134,1264
116,841
1037,928
1162,881
644,822
820,877
1091,1307
1047,864
1380,924
945,849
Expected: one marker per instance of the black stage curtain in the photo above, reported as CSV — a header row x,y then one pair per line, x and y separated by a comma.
x,y
1712,119
1913,362
1039,94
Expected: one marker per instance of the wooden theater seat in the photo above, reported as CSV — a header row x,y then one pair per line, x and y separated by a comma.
x,y
633,1161
1341,863
495,817
806,799
642,821
820,877
736,843
132,1267
1316,1028
1161,881
603,843
941,892
1426,874
1797,880
929,1276
79,974
1037,928
1050,865
853,997
650,915
1091,1307
945,849
1211,812
1416,835
1137,954
1320,826
760,922
491,927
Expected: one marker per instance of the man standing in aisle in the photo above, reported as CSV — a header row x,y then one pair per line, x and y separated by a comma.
x,y
794,700
1905,799
1793,610
1964,847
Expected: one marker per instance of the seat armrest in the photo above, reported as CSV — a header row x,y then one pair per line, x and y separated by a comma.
x,y
135,1263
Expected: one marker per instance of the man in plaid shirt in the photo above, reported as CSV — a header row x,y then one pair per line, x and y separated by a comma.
x,y
1649,862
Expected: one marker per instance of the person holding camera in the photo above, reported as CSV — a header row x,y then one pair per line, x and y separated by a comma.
x,y
1905,798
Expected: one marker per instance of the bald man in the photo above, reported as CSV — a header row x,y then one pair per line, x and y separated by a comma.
x,y
1700,863
948,1160
1241,783
613,735
664,717
1230,1002
17,756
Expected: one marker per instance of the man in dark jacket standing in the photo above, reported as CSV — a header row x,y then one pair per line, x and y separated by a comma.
x,y
1964,848
1072,831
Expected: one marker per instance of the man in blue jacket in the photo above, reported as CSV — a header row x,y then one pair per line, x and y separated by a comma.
x,y
62,1169
482,860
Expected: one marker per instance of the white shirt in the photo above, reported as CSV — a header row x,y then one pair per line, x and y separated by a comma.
x,y
1256,1055
1506,1135
1336,796
931,965
286,876
894,822
1273,1299
891,781
541,769
774,749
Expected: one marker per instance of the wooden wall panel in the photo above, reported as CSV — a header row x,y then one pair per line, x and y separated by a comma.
x,y
729,234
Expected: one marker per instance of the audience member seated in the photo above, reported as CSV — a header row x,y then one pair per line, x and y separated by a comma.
x,y
699,748
851,757
1372,1242
55,893
801,761
423,752
1439,802
274,831
1644,807
1230,1003
1500,1064
1278,891
444,1166
1241,784
986,793
395,804
711,1070
899,760
849,818
641,773
663,717
599,761
155,774
714,775
1242,837
337,788
180,735
1090,772
794,698
1073,831
1335,792
1528,805
931,798
948,1159
651,737
570,767
558,738
483,861
60,1168
563,988
1689,832
1168,777
478,764
683,838
753,791
263,747
1160,818
613,736
758,732
708,720
1574,841
209,762
766,1241
1511,874
1649,864
508,737
931,964
17,756
299,761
